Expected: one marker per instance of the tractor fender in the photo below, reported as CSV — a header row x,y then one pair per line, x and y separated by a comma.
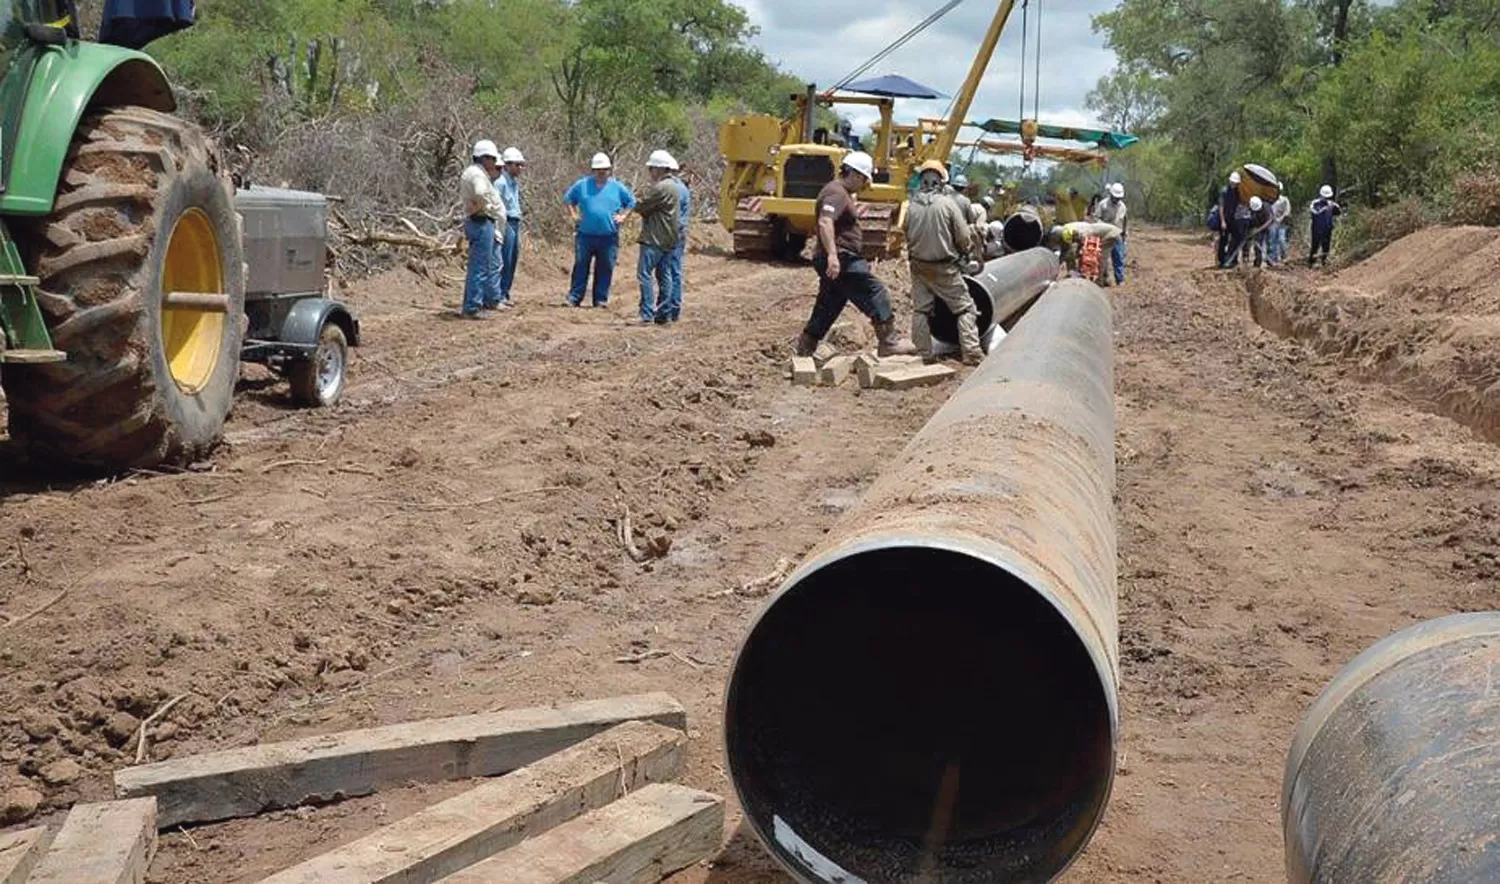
x,y
67,81
305,321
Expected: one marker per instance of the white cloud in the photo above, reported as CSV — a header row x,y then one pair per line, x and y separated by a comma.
x,y
823,41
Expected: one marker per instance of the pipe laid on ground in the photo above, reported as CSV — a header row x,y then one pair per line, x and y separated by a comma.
x,y
932,695
1005,287
1394,774
1023,230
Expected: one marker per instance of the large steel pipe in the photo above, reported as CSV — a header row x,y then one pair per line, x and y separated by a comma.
x,y
1006,286
1394,775
931,696
1023,230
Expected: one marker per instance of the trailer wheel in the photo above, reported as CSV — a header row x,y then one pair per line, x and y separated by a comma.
x,y
143,209
319,381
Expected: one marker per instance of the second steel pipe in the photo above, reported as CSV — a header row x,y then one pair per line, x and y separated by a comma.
x,y
931,696
1001,291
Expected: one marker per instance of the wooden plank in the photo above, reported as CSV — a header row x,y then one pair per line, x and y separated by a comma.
x,y
804,371
497,815
111,842
19,852
243,782
913,376
640,839
33,357
865,367
835,371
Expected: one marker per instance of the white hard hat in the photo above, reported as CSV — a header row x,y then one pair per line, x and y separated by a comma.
x,y
1117,190
996,228
512,155
600,161
1255,204
1326,192
660,159
486,148
989,202
1234,178
860,162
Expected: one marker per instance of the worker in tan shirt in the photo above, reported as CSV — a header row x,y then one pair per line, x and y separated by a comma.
x,y
939,238
484,226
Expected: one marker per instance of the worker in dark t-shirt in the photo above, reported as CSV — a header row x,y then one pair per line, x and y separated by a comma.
x,y
843,273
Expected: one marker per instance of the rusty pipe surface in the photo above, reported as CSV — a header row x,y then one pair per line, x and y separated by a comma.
x,y
1005,287
1394,774
931,696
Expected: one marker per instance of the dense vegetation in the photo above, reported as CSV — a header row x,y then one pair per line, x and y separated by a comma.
x,y
377,100
1395,103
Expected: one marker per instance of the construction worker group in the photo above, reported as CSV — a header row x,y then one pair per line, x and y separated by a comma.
x,y
1252,226
944,232
598,204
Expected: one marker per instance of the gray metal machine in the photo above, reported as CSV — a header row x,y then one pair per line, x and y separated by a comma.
x,y
295,327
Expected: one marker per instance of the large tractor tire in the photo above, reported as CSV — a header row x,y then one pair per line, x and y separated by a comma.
x,y
144,207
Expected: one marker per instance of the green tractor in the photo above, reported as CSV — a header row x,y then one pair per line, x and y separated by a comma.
x,y
122,280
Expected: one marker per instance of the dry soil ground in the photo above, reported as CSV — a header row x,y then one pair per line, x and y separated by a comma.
x,y
444,543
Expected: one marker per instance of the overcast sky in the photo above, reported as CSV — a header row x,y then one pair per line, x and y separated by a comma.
x,y
823,40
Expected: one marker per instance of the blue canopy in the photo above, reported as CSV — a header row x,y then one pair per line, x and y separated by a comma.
x,y
893,86
134,23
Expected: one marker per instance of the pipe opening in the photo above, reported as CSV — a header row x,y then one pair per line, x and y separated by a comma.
x,y
918,714
1022,231
943,325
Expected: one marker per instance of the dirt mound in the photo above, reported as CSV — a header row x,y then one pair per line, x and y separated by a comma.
x,y
1423,314
1435,270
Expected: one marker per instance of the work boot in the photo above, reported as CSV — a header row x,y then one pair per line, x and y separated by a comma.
x,y
890,341
807,345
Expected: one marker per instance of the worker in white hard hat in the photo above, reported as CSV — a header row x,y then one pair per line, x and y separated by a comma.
x,y
844,274
1280,234
1325,213
679,254
598,205
1258,236
939,240
658,210
484,226
1112,211
1229,209
513,162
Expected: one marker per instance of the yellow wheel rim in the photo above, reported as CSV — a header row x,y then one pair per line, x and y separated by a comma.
x,y
191,338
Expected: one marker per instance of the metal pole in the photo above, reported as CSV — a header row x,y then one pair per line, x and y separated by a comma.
x,y
1001,291
932,694
1394,774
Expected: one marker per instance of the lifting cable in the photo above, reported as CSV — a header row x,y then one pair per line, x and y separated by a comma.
x,y
1036,85
921,26
1025,30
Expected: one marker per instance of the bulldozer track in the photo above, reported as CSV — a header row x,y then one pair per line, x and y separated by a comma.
x,y
757,237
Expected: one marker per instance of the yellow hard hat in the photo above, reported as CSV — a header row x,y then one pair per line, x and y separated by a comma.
x,y
1067,234
934,166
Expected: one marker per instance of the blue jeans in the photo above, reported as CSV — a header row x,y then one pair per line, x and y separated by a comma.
x,y
673,305
483,277
1280,242
510,255
1117,254
600,250
654,263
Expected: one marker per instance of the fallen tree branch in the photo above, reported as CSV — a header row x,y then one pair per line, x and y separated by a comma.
x,y
762,586
140,737
627,537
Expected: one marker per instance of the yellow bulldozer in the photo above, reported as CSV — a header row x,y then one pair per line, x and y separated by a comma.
x,y
775,167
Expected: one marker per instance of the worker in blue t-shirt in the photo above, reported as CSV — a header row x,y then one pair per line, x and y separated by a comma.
x,y
598,205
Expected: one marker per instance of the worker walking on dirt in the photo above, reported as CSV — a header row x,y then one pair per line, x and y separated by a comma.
x,y
1325,213
843,273
658,240
598,205
509,185
483,229
1112,210
1231,231
679,254
939,239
